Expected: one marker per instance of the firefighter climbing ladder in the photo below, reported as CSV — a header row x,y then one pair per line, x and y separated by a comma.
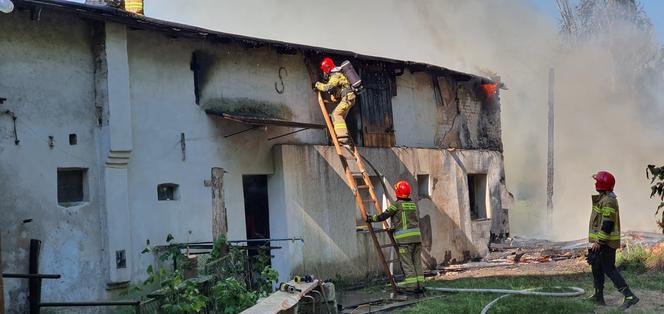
x,y
352,179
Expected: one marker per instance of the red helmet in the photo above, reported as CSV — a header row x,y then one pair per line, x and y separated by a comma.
x,y
402,189
604,181
327,65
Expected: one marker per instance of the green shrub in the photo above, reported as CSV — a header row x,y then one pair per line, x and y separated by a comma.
x,y
632,257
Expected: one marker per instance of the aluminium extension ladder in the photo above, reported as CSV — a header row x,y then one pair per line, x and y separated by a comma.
x,y
359,182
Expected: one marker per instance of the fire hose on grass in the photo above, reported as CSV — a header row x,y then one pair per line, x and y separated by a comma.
x,y
576,291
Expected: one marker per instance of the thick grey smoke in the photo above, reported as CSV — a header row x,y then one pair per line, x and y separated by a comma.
x,y
604,120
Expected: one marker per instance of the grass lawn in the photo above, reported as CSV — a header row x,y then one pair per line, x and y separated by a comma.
x,y
474,302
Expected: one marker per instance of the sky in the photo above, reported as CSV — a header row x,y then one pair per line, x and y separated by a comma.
x,y
654,9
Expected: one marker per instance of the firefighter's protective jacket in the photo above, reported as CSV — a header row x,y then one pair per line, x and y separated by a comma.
x,y
405,221
336,85
605,220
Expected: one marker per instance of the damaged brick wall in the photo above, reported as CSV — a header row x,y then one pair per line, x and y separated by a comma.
x,y
468,119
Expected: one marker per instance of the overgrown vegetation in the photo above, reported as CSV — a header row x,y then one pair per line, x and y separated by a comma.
x,y
228,280
632,257
656,176
637,258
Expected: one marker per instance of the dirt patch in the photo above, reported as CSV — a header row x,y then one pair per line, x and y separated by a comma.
x,y
570,266
651,302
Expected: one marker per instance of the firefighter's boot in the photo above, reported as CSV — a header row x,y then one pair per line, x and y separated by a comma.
x,y
597,297
629,300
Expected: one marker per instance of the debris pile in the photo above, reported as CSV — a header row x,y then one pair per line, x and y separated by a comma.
x,y
518,250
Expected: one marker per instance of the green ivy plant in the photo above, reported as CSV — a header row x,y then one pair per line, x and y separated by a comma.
x,y
180,296
656,176
232,288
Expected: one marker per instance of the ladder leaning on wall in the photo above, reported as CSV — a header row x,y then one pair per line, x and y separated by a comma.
x,y
359,181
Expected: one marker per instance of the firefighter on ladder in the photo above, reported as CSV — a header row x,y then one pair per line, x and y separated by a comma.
x,y
604,234
405,221
339,86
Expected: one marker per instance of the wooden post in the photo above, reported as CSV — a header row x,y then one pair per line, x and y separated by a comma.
x,y
34,284
550,155
2,289
219,219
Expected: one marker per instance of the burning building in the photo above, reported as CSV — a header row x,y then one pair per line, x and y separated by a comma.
x,y
129,128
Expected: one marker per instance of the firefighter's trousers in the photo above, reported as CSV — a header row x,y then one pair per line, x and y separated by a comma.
x,y
605,264
411,262
339,117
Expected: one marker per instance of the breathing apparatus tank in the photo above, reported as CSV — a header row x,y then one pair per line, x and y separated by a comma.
x,y
352,76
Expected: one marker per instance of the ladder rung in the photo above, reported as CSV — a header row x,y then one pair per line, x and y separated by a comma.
x,y
363,186
393,260
386,245
367,201
356,174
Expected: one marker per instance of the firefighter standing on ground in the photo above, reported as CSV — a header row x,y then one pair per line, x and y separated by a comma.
x,y
405,220
604,234
338,86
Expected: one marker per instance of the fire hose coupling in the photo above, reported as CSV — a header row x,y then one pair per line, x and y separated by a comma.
x,y
306,278
288,288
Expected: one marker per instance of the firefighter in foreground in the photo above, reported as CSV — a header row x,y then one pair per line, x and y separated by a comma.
x,y
405,219
604,234
342,84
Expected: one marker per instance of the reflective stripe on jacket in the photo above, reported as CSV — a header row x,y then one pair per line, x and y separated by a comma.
x,y
337,85
405,221
605,213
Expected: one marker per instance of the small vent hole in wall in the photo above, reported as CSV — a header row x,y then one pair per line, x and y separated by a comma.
x,y
167,192
72,139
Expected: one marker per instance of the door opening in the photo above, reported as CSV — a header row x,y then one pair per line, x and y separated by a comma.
x,y
477,195
256,214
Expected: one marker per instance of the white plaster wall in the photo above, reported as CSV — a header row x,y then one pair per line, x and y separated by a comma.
x,y
46,73
163,106
415,110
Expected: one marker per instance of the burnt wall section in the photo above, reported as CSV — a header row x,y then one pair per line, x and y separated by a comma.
x,y
437,110
468,117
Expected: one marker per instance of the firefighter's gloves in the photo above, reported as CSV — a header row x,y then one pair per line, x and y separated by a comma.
x,y
592,256
313,86
372,218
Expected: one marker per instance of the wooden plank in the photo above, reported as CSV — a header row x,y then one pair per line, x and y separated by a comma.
x,y
219,218
281,300
34,284
264,121
376,105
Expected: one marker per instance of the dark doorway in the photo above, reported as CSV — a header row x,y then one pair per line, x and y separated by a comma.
x,y
256,209
477,191
257,219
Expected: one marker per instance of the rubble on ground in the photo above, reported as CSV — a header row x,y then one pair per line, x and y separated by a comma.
x,y
519,250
